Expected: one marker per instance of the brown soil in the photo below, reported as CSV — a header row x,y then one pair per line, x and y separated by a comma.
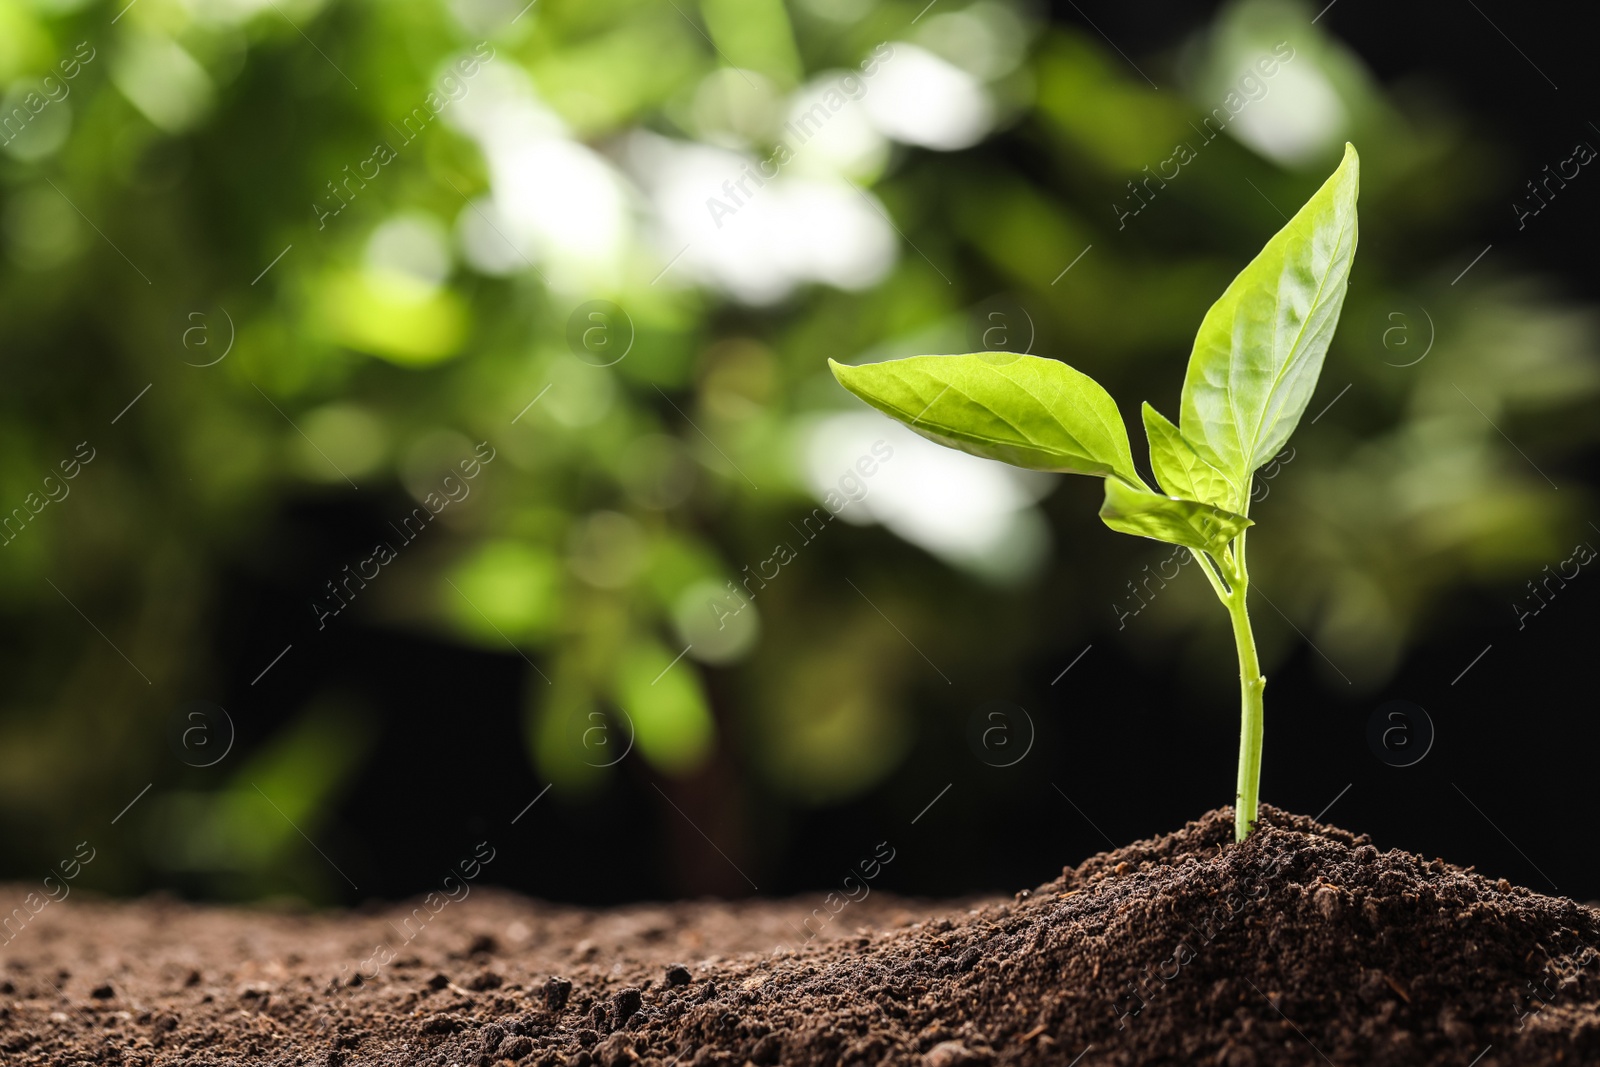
x,y
1305,945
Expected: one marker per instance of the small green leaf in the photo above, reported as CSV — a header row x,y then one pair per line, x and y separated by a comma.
x,y
1260,348
1023,410
1164,518
1182,471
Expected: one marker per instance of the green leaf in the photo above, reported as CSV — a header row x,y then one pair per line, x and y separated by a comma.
x,y
1260,348
1182,471
1023,410
1164,518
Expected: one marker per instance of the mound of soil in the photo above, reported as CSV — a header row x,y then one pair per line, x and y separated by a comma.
x,y
1303,945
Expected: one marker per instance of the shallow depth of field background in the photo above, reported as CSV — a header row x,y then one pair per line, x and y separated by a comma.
x,y
312,354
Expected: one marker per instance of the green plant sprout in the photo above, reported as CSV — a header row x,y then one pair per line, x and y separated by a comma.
x,y
1253,369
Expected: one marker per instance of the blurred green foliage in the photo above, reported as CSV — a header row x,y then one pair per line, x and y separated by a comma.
x,y
392,252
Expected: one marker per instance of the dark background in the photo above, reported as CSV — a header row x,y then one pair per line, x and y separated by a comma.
x,y
1512,735
1131,742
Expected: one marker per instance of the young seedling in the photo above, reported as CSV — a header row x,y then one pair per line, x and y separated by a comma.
x,y
1255,363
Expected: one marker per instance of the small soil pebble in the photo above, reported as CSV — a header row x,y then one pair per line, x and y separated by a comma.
x,y
514,1047
556,992
1327,902
624,1002
768,1051
441,1024
103,992
485,980
678,975
952,1054
615,1051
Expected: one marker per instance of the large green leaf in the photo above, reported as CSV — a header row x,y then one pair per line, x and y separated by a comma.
x,y
1023,410
1164,518
1260,348
1182,471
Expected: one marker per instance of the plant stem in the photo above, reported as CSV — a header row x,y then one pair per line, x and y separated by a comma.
x,y
1251,687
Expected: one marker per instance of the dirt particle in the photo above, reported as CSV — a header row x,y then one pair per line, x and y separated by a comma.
x,y
103,991
483,944
1454,1026
514,1047
485,980
1238,1056
442,1024
556,992
952,1054
587,1038
1326,900
615,1051
438,981
768,1051
678,975
624,1002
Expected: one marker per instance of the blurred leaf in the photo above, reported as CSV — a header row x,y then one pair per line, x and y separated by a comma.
x,y
754,34
573,740
162,80
1119,120
600,82
394,317
506,590
24,43
250,832
664,700
832,725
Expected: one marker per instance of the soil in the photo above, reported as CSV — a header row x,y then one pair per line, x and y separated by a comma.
x,y
1305,945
